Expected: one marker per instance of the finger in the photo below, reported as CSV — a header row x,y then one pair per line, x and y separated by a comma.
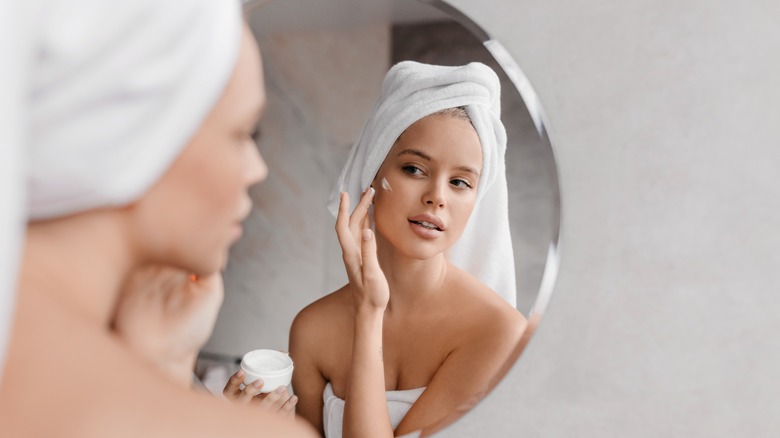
x,y
271,400
366,223
349,249
283,397
233,385
207,285
361,211
371,268
289,407
342,222
251,390
259,400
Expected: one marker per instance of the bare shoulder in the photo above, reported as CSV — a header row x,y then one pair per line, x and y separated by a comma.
x,y
324,310
488,317
317,322
85,402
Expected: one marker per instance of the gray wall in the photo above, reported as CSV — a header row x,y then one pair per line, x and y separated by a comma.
x,y
320,85
665,117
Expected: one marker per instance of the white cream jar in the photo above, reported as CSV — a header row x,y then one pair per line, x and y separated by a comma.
x,y
274,367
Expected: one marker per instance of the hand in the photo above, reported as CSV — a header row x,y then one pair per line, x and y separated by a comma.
x,y
358,247
166,316
279,400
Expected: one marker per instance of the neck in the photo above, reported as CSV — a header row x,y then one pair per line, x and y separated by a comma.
x,y
79,261
413,282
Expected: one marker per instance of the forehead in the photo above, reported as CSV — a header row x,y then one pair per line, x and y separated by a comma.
x,y
244,95
443,138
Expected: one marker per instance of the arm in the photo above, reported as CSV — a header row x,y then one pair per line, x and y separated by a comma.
x,y
463,378
365,409
308,382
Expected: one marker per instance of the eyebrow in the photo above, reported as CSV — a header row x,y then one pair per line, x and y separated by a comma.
x,y
426,157
420,154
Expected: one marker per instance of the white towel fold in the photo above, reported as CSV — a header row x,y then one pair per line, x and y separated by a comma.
x,y
398,405
118,89
412,91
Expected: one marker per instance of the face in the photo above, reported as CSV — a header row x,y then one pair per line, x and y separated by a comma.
x,y
194,212
427,186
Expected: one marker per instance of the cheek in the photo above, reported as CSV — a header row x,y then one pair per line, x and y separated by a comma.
x,y
460,212
382,206
213,194
222,178
389,211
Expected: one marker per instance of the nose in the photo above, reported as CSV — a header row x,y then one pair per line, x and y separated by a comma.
x,y
435,194
257,169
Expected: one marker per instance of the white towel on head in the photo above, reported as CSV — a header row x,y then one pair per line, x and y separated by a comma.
x,y
17,21
118,89
411,91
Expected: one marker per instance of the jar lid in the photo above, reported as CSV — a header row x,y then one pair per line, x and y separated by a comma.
x,y
266,363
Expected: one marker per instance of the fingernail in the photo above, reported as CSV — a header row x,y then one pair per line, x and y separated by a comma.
x,y
371,191
293,399
240,373
280,390
367,234
258,383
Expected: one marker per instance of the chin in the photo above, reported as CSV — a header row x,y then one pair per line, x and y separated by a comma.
x,y
420,251
209,265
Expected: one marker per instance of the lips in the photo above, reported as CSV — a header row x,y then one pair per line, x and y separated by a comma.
x,y
236,231
246,208
428,221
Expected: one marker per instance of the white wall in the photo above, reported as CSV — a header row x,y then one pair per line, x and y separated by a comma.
x,y
665,117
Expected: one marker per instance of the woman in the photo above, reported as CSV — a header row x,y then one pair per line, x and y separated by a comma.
x,y
414,331
141,153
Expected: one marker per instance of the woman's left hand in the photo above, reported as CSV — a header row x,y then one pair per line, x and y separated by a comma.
x,y
277,401
166,316
358,247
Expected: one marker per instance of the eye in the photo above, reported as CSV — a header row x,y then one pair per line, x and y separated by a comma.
x,y
256,134
412,170
461,183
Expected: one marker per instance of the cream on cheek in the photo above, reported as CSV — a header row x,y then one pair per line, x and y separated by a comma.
x,y
386,185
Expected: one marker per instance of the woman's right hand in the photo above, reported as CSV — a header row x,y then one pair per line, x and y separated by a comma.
x,y
278,400
358,247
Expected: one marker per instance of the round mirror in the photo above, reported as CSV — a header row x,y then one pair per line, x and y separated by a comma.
x,y
324,63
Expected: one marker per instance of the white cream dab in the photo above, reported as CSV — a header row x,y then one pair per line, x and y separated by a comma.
x,y
386,185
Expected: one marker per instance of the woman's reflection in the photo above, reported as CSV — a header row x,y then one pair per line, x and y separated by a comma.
x,y
399,348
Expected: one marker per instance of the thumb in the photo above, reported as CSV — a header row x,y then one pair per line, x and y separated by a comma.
x,y
371,269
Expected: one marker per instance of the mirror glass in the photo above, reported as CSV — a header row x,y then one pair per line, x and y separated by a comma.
x,y
324,63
